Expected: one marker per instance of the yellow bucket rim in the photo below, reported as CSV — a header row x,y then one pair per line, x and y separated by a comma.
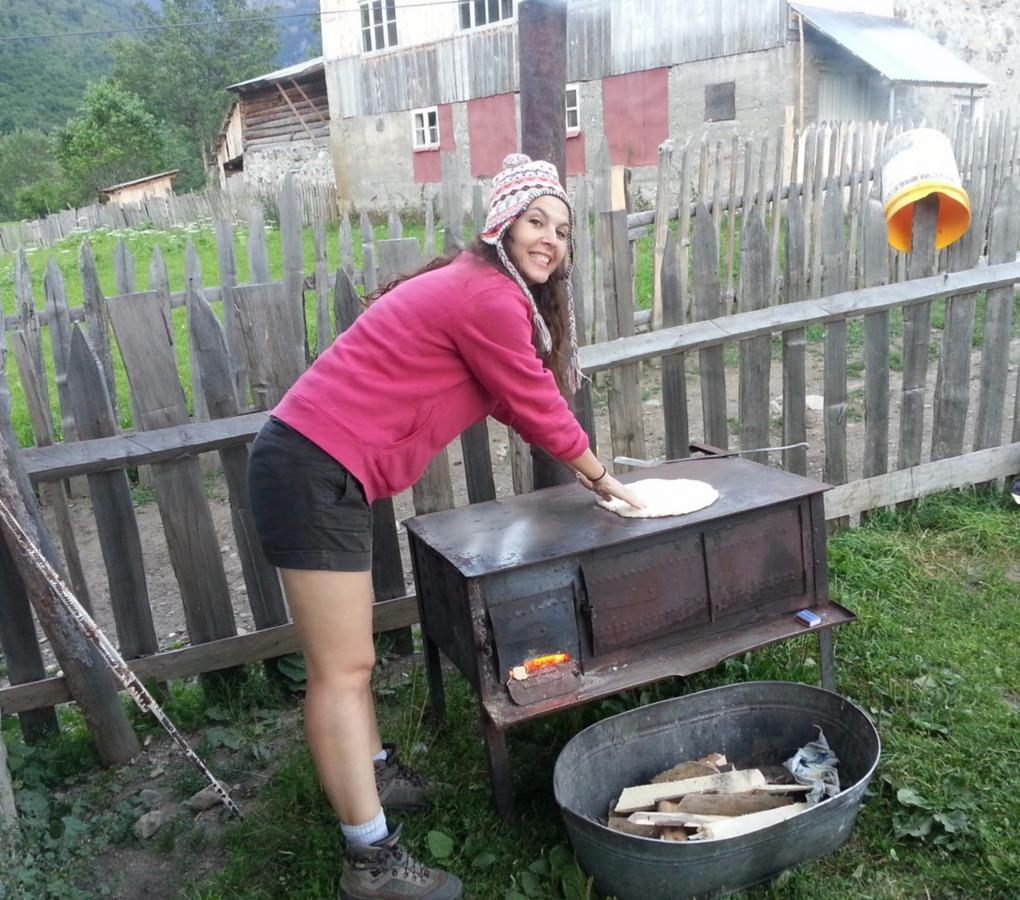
x,y
954,213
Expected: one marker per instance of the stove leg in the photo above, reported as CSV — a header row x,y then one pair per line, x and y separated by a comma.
x,y
827,658
499,766
434,674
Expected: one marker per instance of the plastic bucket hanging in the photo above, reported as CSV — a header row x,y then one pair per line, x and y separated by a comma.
x,y
915,165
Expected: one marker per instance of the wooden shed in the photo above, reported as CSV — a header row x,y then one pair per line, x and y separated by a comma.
x,y
158,185
283,117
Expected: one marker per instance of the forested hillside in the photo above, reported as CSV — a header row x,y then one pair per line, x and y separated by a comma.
x,y
42,81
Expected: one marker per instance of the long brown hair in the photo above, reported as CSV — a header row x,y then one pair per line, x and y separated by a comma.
x,y
550,298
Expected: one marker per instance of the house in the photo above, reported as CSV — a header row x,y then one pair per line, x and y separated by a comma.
x,y
279,123
408,79
158,185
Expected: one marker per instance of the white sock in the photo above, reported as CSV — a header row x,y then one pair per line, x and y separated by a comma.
x,y
380,756
368,833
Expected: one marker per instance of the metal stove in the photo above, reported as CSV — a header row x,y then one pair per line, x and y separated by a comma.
x,y
630,601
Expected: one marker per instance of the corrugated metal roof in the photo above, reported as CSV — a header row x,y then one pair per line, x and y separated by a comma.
x,y
893,48
295,71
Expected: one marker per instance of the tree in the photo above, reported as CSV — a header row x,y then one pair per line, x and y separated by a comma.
x,y
26,161
181,73
113,138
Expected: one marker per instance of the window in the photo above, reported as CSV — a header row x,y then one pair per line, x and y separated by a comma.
x,y
573,113
378,25
426,128
720,102
475,13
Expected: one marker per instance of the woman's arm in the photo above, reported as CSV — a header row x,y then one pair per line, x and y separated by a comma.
x,y
596,477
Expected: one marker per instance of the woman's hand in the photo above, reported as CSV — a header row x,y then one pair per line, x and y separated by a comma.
x,y
607,487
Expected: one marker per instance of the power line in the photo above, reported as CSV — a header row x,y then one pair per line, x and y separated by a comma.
x,y
214,23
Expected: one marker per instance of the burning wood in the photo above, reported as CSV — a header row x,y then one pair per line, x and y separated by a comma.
x,y
694,801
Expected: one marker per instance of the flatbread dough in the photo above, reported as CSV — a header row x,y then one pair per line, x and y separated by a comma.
x,y
663,497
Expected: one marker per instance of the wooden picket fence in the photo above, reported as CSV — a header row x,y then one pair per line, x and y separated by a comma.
x,y
243,360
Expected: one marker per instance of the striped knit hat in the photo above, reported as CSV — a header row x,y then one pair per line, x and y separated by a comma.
x,y
521,182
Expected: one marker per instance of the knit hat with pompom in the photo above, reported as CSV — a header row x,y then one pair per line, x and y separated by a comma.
x,y
521,182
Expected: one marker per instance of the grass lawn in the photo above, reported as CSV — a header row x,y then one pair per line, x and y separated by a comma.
x,y
934,658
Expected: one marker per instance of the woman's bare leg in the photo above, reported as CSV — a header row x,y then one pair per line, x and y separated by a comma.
x,y
333,615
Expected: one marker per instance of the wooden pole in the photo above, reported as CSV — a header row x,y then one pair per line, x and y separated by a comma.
x,y
542,58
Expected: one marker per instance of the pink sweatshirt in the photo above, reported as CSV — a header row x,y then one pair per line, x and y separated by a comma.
x,y
436,354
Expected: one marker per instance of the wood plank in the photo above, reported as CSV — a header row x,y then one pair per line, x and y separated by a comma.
x,y
228,281
917,336
755,353
834,280
113,510
293,266
123,268
794,346
776,218
323,328
875,272
676,436
132,448
683,229
208,657
95,319
746,824
584,295
624,396
192,281
258,255
452,204
42,429
645,796
18,638
1003,242
145,339
661,228
88,678
346,241
274,352
809,312
707,306
917,481
731,219
265,596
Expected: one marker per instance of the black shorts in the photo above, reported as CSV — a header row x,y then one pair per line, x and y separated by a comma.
x,y
310,512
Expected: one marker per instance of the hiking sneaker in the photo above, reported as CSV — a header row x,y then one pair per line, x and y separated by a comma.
x,y
401,789
384,871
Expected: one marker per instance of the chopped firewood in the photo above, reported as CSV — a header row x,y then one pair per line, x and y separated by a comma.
x,y
673,834
727,804
738,825
645,796
690,769
623,824
673,820
785,788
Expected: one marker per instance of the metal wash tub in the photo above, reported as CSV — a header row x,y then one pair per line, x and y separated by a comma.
x,y
754,724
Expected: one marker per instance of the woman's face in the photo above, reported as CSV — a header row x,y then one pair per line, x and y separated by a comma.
x,y
537,241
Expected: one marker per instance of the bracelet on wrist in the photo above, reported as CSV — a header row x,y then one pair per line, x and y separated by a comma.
x,y
605,472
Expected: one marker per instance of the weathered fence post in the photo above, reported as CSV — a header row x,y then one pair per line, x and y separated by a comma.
x,y
293,258
917,336
708,305
265,596
794,344
88,678
756,352
674,378
1005,235
116,525
875,271
835,388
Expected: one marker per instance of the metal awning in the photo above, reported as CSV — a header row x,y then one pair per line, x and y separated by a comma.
x,y
893,49
297,70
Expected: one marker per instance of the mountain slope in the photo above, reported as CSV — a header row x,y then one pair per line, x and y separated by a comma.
x,y
42,81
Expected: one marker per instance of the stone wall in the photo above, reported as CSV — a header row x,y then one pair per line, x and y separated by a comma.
x,y
266,166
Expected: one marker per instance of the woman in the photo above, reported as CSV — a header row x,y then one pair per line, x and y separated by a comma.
x,y
434,354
